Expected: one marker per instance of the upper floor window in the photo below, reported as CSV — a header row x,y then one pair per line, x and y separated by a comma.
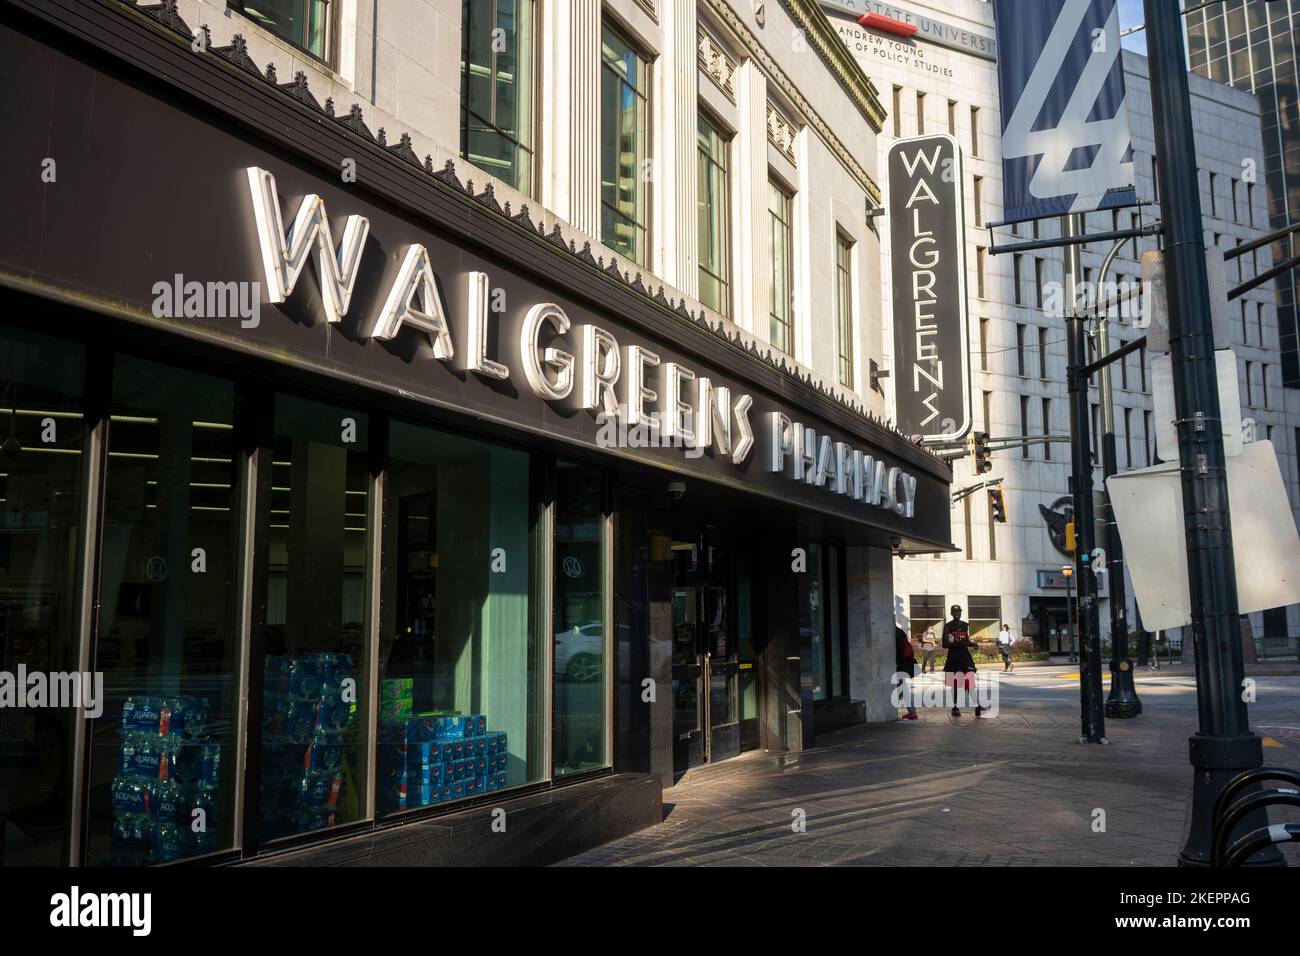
x,y
711,202
496,90
624,142
844,307
304,23
779,204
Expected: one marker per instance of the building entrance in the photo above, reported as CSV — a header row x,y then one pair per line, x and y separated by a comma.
x,y
1052,617
715,712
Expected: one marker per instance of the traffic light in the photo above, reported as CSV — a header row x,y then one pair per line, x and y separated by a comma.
x,y
980,454
998,505
1069,536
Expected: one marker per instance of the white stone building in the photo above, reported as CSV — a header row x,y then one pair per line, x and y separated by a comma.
x,y
944,79
788,110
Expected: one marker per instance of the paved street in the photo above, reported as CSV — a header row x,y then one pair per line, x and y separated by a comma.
x,y
1016,789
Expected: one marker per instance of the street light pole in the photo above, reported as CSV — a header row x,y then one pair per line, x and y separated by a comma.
x,y
1123,700
1092,714
1224,744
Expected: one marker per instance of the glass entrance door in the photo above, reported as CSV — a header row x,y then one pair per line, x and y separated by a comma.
x,y
688,670
706,652
721,664
1053,624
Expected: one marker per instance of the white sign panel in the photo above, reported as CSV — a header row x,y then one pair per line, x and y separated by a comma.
x,y
1148,509
1162,400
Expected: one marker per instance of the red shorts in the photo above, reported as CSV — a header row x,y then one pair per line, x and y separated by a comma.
x,y
962,679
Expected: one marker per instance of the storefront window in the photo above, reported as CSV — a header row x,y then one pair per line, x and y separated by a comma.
x,y
41,435
162,762
460,657
580,623
313,774
815,606
821,620
836,632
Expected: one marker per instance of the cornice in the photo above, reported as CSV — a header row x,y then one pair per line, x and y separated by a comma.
x,y
817,27
722,10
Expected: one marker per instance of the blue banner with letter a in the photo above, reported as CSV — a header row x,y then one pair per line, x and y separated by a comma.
x,y
1066,146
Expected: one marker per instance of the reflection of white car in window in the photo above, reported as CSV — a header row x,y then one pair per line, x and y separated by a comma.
x,y
577,653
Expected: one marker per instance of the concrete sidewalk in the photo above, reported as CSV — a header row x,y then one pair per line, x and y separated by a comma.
x,y
1016,789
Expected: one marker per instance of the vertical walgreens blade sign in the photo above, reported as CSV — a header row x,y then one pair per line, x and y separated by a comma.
x,y
931,368
1066,146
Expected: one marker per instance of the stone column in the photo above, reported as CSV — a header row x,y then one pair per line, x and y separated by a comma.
x,y
570,145
870,598
751,248
674,185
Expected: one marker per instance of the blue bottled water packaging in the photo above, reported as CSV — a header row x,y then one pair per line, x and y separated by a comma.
x,y
304,678
189,717
128,795
321,791
149,750
124,850
168,841
126,756
323,754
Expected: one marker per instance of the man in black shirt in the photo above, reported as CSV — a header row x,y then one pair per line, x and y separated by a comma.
x,y
959,665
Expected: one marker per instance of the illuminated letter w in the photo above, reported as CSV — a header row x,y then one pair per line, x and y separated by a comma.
x,y
284,256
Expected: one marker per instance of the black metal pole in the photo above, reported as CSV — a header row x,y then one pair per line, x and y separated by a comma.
x,y
1092,717
1144,641
1123,701
1224,745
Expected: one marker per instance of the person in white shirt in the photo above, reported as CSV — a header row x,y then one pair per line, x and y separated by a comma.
x,y
1004,648
928,646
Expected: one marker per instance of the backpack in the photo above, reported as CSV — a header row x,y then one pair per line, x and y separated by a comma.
x,y
909,653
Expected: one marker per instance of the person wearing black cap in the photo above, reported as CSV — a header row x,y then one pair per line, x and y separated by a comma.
x,y
959,668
